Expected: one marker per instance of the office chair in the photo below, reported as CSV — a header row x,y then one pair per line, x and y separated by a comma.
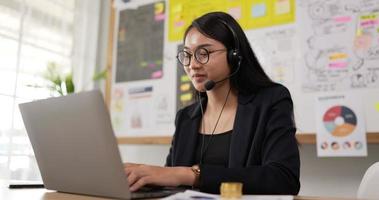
x,y
369,187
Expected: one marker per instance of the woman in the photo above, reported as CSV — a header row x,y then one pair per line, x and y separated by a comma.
x,y
242,128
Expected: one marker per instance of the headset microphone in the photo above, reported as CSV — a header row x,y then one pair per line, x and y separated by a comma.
x,y
209,85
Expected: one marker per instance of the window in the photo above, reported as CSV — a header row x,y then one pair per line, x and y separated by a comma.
x,y
32,34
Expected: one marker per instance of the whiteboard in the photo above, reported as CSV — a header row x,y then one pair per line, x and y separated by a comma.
x,y
332,47
319,56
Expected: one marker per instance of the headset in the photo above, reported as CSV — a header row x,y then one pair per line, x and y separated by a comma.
x,y
234,56
234,59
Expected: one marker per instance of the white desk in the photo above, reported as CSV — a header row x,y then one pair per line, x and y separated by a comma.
x,y
40,194
43,194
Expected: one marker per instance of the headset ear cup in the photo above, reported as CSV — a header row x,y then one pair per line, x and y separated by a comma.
x,y
233,57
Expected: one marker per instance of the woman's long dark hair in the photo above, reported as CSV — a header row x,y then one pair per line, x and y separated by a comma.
x,y
251,76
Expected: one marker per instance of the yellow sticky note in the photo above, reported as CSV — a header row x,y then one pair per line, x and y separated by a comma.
x,y
177,8
377,106
184,78
359,32
143,64
185,87
159,8
185,97
337,56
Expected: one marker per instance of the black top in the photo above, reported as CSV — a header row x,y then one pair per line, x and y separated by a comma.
x,y
263,152
215,148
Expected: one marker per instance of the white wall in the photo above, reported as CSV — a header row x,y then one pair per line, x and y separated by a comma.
x,y
338,177
335,177
147,154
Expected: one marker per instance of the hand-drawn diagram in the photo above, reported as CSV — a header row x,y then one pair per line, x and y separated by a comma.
x,y
340,48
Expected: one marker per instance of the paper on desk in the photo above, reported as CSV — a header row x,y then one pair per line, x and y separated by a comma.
x,y
191,194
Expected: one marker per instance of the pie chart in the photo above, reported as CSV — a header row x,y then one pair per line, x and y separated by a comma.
x,y
340,121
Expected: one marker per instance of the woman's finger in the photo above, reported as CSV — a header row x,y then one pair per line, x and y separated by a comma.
x,y
132,178
140,183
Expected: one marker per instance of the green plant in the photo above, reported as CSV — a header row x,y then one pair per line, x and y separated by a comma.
x,y
62,83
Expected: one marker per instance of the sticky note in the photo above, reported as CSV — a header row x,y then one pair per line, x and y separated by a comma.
x,y
118,106
177,8
369,16
359,32
158,62
336,56
235,12
152,65
338,65
143,64
258,10
282,7
186,97
159,8
179,23
369,23
377,106
185,87
184,78
118,93
121,35
159,11
159,17
157,74
342,19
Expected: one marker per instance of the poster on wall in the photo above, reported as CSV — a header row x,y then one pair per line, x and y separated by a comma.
x,y
340,44
250,14
142,88
340,126
276,49
263,13
140,43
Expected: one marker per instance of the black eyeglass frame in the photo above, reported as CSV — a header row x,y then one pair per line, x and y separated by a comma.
x,y
209,52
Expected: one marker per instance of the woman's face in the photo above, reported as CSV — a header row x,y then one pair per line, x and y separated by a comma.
x,y
215,69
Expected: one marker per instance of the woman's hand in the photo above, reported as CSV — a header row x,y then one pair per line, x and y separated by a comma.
x,y
140,175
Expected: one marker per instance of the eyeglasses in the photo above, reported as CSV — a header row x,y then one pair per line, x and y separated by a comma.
x,y
201,56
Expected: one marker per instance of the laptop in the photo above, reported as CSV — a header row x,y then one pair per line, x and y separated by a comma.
x,y
76,149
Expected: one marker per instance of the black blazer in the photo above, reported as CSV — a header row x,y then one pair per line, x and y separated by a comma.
x,y
264,155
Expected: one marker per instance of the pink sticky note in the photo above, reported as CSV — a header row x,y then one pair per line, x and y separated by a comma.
x,y
338,65
369,23
157,74
235,12
159,17
342,19
179,23
152,65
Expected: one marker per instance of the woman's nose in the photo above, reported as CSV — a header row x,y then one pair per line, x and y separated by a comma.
x,y
194,64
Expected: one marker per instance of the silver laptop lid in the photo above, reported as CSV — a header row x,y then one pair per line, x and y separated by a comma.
x,y
74,145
